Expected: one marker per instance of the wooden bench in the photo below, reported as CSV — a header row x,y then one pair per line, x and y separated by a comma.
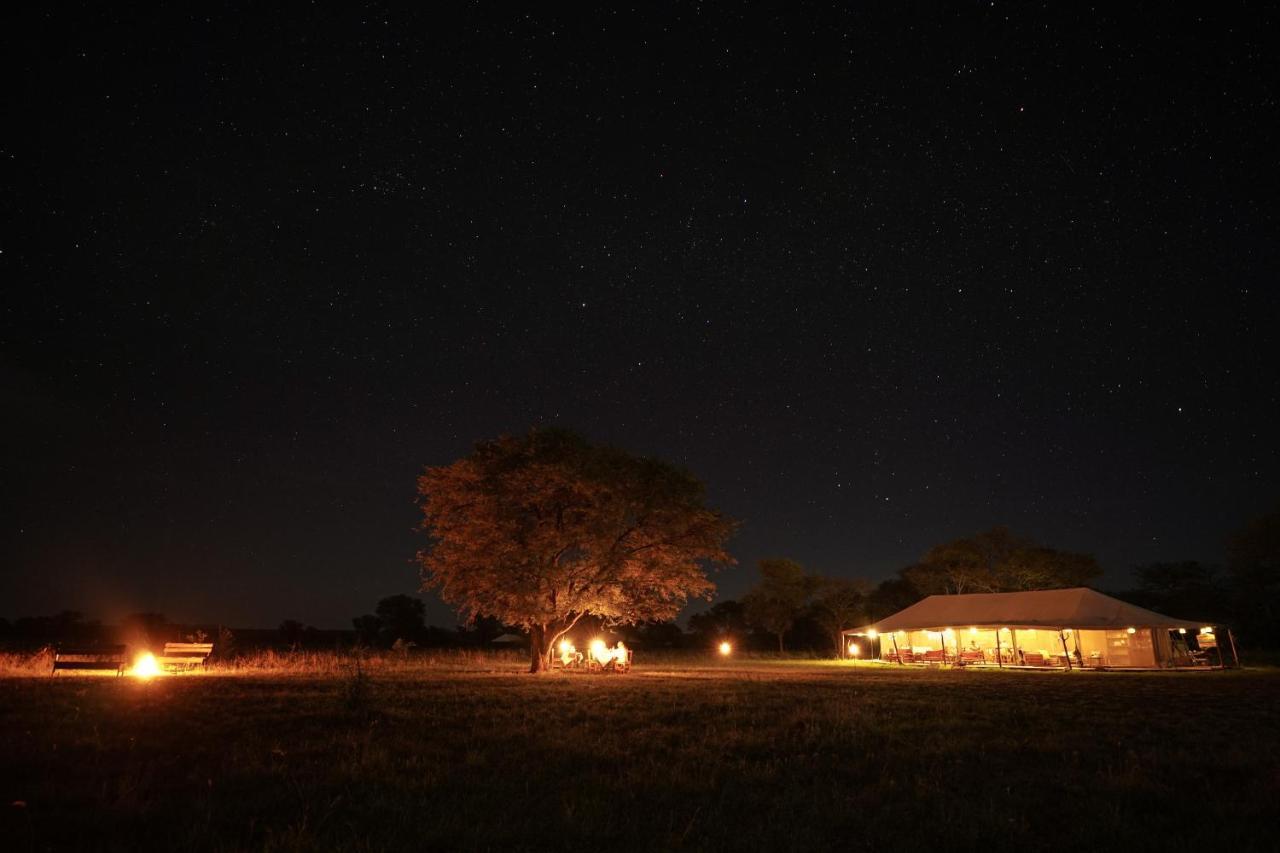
x,y
1034,659
971,657
89,657
177,657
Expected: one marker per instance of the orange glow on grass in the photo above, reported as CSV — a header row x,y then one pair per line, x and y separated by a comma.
x,y
145,666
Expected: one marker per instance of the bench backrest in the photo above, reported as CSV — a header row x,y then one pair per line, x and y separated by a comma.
x,y
89,657
194,650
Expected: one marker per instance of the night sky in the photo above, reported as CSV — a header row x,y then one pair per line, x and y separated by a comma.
x,y
880,277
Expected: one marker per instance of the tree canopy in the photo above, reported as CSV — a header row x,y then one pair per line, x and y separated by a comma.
x,y
542,529
780,598
998,561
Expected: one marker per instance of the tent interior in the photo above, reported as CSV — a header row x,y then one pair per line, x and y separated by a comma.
x,y
1099,637
1142,648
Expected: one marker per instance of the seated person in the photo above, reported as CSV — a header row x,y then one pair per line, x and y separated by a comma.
x,y
569,656
619,655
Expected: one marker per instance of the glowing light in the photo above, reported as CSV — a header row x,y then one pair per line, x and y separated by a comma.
x,y
872,634
854,650
565,646
145,666
973,630
600,651
726,648
1182,630
1133,630
1208,629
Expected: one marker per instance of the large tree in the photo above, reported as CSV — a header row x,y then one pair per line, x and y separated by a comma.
x,y
998,561
780,598
543,529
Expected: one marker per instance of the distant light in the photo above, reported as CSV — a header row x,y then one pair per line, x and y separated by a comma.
x,y
1133,630
145,666
1208,629
950,632
565,647
854,650
726,648
1182,630
973,630
872,634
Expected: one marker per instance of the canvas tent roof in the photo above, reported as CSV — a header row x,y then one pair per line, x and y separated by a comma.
x,y
1079,607
508,640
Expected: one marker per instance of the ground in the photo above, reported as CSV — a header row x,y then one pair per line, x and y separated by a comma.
x,y
693,755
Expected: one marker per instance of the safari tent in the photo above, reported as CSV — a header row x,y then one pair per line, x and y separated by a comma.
x,y
1064,628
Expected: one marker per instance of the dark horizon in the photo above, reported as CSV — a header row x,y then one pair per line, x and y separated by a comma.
x,y
880,278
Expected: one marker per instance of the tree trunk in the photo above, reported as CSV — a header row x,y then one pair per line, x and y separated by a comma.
x,y
539,649
781,650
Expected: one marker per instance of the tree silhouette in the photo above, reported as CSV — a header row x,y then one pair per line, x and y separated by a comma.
x,y
997,561
778,600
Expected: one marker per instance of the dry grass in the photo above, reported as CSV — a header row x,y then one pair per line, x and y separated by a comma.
x,y
452,752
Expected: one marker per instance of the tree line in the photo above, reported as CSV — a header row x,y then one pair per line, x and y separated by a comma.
x,y
544,530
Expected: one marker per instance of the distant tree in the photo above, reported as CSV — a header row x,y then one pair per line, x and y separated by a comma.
x,y
779,599
1186,588
400,617
724,620
839,604
997,561
1168,579
660,635
367,628
291,632
543,529
890,596
487,629
146,628
1253,561
225,646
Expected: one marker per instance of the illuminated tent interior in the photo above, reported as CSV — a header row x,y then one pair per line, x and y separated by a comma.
x,y
1064,628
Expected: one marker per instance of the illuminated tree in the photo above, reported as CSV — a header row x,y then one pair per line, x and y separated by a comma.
x,y
541,530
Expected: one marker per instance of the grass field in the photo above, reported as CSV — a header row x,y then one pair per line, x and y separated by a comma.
x,y
467,753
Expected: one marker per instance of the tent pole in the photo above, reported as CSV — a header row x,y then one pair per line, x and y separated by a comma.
x,y
999,651
897,653
1231,638
1066,654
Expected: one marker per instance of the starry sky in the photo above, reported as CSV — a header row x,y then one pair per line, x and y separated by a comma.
x,y
881,277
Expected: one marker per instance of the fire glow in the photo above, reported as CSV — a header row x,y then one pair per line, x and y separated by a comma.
x,y
145,666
